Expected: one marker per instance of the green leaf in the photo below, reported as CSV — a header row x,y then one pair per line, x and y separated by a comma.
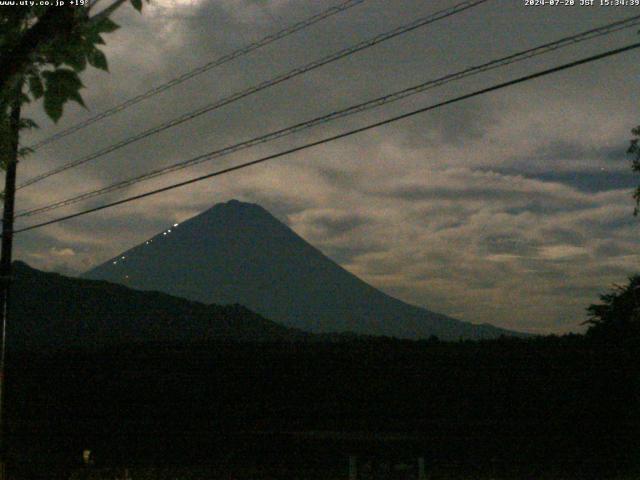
x,y
75,58
106,25
76,97
98,60
61,85
35,86
93,38
53,106
137,4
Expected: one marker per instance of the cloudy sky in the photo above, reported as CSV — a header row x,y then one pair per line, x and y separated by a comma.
x,y
513,208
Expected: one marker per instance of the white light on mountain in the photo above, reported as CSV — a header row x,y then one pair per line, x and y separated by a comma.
x,y
164,233
169,231
175,224
123,257
115,262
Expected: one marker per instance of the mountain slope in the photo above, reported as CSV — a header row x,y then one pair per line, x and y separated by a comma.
x,y
239,253
50,310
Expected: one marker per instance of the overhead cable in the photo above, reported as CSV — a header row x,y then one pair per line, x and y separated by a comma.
x,y
290,30
332,138
352,110
423,21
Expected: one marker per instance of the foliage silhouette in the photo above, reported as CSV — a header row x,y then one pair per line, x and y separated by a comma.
x,y
48,46
634,149
617,318
45,48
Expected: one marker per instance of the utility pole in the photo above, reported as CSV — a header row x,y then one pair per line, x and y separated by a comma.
x,y
5,252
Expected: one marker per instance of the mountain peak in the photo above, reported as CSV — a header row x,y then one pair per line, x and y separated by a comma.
x,y
235,209
238,204
234,204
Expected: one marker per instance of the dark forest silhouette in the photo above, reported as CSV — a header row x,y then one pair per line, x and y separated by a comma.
x,y
512,406
617,318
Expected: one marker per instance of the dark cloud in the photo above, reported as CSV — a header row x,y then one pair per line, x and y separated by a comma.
x,y
598,181
513,192
564,150
342,224
425,192
587,168
508,244
611,248
338,178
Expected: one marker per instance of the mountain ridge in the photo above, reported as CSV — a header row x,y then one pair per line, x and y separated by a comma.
x,y
237,252
50,310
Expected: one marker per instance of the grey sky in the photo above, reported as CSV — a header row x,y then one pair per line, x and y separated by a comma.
x,y
513,208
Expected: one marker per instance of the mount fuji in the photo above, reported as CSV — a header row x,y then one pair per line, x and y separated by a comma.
x,y
238,252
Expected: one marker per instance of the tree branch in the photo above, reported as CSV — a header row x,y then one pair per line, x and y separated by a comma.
x,y
55,22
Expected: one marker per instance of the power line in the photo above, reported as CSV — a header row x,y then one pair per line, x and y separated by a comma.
x,y
202,69
349,133
379,101
262,86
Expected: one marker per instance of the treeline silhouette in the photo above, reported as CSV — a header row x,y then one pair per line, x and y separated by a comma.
x,y
561,403
520,405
